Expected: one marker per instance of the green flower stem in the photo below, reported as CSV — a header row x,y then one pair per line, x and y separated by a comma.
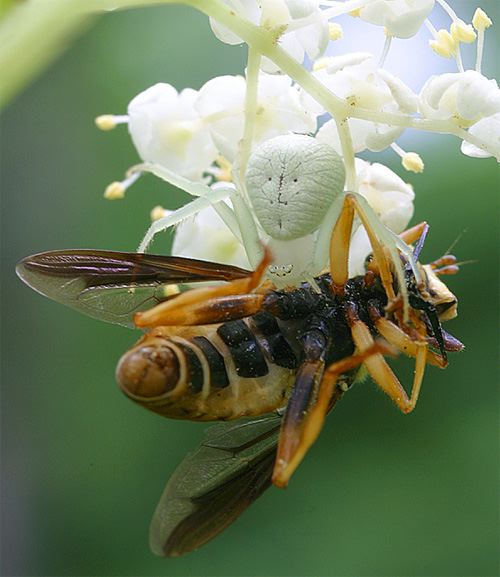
x,y
348,153
251,104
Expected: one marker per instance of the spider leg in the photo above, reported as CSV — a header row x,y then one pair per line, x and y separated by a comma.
x,y
181,214
340,243
205,305
240,220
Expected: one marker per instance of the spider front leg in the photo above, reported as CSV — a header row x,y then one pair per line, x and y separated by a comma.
x,y
240,220
340,243
386,245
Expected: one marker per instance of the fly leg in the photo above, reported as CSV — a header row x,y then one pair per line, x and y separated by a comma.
x,y
205,305
408,345
300,403
380,371
411,235
314,395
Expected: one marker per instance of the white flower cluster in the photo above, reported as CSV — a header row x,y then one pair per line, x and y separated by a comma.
x,y
201,140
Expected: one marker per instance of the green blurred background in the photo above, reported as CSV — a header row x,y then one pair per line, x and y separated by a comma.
x,y
380,493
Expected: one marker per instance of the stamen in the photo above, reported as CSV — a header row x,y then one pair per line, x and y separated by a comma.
x,y
385,51
444,44
462,32
116,190
110,121
158,212
430,27
448,9
411,161
480,21
459,32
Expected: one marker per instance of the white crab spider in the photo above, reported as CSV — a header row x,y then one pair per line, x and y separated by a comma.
x,y
290,200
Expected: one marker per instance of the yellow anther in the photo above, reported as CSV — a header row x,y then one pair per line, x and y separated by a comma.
x,y
480,20
462,32
412,162
105,122
335,31
444,45
115,191
157,212
355,13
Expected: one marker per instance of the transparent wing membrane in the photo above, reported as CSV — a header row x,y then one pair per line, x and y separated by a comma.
x,y
214,484
113,286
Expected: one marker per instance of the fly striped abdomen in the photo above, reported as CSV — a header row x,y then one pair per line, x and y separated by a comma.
x,y
227,371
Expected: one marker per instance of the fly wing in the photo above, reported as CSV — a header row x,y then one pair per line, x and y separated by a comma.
x,y
214,484
113,286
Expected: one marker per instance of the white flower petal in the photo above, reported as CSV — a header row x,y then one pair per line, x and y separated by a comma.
x,y
402,94
248,9
389,196
166,129
401,18
477,96
364,134
206,237
280,111
301,8
464,96
488,130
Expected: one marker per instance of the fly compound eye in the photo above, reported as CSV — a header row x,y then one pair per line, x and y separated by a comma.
x,y
440,295
148,371
291,181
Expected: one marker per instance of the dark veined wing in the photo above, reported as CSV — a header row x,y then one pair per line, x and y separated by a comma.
x,y
113,286
214,484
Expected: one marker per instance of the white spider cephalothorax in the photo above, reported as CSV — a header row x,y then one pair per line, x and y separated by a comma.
x,y
292,182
